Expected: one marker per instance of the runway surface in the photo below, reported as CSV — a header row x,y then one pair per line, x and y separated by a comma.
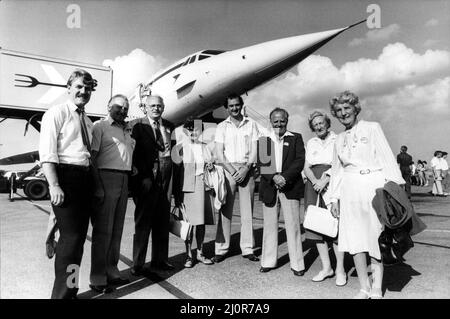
x,y
26,272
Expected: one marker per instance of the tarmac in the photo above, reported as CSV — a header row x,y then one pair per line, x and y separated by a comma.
x,y
27,273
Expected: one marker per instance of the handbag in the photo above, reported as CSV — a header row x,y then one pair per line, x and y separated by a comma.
x,y
178,223
320,220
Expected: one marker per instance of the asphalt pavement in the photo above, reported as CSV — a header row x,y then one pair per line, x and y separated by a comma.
x,y
26,272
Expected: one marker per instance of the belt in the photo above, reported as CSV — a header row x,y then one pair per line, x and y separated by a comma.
x,y
115,170
364,171
72,167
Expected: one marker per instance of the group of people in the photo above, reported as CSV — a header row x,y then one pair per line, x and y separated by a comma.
x,y
419,174
91,167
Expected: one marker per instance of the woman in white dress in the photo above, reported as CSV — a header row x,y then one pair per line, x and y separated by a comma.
x,y
319,156
362,162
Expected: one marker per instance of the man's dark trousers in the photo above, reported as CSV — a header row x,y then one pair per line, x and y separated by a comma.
x,y
73,221
152,215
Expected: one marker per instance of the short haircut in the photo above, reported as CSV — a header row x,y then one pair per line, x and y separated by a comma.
x,y
85,75
315,114
117,96
232,96
279,109
345,97
154,96
404,148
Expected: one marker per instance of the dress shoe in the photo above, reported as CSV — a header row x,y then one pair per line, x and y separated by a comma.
x,y
298,272
140,271
251,257
265,269
118,281
102,289
50,248
163,265
218,258
322,275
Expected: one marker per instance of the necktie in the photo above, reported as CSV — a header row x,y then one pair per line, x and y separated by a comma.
x,y
84,132
159,137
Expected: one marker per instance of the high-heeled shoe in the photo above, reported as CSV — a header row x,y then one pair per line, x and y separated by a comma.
x,y
322,275
362,294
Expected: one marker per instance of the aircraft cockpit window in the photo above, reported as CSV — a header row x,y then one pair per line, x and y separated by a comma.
x,y
202,57
192,59
213,52
186,62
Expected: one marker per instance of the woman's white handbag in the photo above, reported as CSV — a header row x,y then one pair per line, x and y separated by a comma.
x,y
178,223
320,220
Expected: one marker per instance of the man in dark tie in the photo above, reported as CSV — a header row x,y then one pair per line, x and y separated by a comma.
x,y
64,151
152,186
281,157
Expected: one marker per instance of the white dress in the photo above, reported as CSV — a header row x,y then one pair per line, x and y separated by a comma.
x,y
362,162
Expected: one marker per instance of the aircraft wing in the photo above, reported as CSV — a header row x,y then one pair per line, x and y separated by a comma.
x,y
29,157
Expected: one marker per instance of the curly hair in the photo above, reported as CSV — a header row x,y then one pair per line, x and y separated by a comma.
x,y
345,97
315,114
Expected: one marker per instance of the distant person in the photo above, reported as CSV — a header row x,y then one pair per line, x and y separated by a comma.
x,y
281,157
436,167
189,189
319,156
414,179
153,162
405,161
445,174
427,172
236,142
112,151
64,151
362,162
421,179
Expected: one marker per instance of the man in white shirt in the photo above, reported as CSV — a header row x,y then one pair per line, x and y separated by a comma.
x,y
281,158
445,174
64,151
236,146
437,174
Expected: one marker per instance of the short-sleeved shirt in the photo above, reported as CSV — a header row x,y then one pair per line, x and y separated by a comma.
x,y
60,138
114,145
237,140
320,151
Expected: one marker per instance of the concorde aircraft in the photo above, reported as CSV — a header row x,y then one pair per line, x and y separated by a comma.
x,y
197,84
193,86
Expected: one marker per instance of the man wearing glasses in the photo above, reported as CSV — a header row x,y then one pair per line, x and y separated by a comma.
x,y
112,151
154,171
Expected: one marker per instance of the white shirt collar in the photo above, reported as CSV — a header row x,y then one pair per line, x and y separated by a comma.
x,y
275,137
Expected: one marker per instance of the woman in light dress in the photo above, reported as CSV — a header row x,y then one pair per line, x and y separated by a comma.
x,y
362,162
190,190
319,156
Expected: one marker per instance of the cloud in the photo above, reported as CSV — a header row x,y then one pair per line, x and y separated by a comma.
x,y
431,43
377,35
129,70
432,22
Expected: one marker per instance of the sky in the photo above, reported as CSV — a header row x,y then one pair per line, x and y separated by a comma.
x,y
401,71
